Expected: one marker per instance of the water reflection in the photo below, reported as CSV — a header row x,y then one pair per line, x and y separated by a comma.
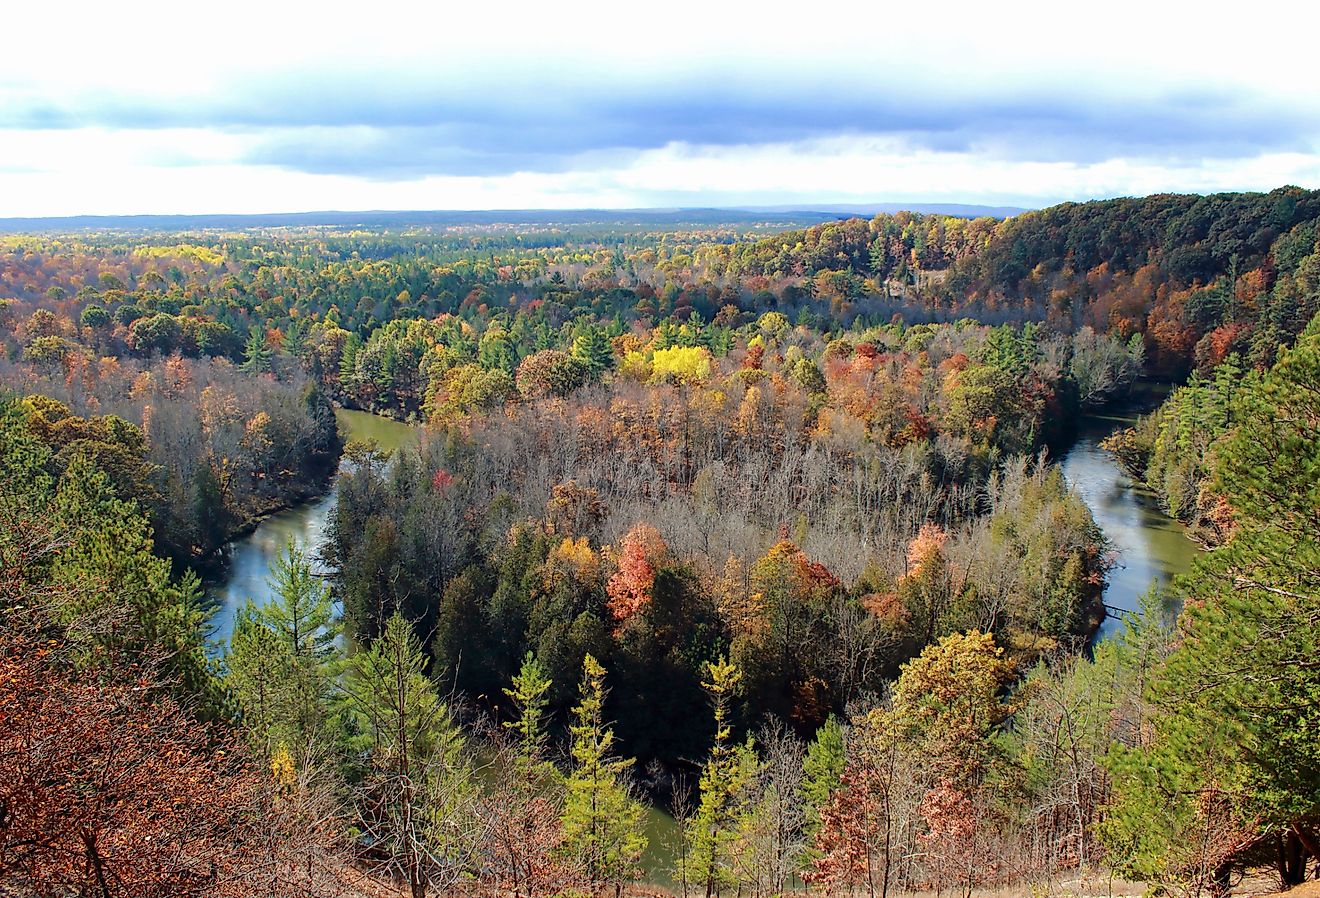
x,y
250,557
1151,548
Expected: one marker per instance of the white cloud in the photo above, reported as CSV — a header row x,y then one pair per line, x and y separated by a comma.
x,y
87,172
107,91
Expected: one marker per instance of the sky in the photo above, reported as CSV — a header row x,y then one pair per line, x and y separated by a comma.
x,y
246,107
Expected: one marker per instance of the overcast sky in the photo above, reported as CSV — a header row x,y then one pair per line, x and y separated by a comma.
x,y
114,108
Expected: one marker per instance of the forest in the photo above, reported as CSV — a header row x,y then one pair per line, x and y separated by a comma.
x,y
761,530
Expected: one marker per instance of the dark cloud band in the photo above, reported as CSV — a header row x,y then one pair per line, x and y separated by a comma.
x,y
401,128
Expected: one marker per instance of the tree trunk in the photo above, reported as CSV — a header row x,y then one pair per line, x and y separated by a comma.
x,y
1219,881
1309,841
1292,859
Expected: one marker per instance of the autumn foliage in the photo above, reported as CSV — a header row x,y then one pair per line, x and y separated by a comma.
x,y
630,588
114,790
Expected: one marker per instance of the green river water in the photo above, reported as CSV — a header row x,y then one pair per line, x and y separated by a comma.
x,y
1150,549
248,567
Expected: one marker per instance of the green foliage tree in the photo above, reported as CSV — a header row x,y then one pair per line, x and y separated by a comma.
x,y
122,594
530,697
601,822
415,799
821,769
258,357
713,829
1236,759
95,317
948,703
496,351
303,617
283,658
986,407
348,364
592,348
157,332
257,670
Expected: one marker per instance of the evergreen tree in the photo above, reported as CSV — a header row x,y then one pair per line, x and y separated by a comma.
x,y
282,657
212,518
592,348
258,357
714,827
496,350
257,667
530,696
602,822
821,770
1235,762
348,364
98,548
295,339
416,797
303,617
524,798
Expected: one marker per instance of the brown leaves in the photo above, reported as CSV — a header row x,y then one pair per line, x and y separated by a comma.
x,y
115,790
103,787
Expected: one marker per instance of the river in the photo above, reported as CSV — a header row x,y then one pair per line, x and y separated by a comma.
x,y
247,570
1150,547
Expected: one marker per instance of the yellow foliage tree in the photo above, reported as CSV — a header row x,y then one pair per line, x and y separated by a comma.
x,y
681,364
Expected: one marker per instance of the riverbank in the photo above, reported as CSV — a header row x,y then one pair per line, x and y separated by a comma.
x,y
212,565
1149,547
244,572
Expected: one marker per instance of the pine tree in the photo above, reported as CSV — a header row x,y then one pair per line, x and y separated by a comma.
x,y
74,531
414,800
257,669
303,616
714,827
1235,759
530,696
602,822
524,800
282,657
295,339
211,515
348,365
257,354
821,770
113,547
592,348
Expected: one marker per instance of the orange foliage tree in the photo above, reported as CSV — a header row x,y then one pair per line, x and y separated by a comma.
x,y
630,588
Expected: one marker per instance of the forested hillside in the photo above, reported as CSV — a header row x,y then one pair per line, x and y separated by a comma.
x,y
761,531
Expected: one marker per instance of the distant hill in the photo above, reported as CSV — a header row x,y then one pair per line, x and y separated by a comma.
x,y
747,215
1198,277
955,210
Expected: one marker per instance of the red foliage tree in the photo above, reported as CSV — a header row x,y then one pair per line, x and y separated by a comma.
x,y
955,848
858,839
106,793
630,588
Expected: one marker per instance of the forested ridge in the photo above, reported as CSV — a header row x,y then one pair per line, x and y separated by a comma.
x,y
763,530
